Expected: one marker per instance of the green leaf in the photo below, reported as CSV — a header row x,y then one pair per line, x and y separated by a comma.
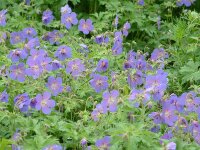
x,y
190,72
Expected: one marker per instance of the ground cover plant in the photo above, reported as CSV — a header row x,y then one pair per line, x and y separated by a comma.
x,y
101,74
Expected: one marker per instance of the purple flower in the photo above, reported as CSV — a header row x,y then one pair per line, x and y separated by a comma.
x,y
135,79
140,96
85,26
22,102
17,54
125,29
53,147
103,143
27,2
16,147
118,37
17,137
116,21
158,55
75,67
69,19
66,9
171,146
68,88
3,17
63,52
197,139
167,136
45,63
32,43
56,65
168,114
34,69
179,2
191,101
187,3
195,128
96,113
83,142
101,39
157,84
128,65
141,64
84,50
17,72
53,37
45,103
132,56
99,82
17,37
36,55
182,123
47,17
117,48
3,37
110,100
29,33
102,65
33,102
157,119
55,85
141,2
155,129
4,96
177,102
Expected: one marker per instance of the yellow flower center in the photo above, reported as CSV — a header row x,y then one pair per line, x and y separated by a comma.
x,y
99,82
85,26
69,19
74,67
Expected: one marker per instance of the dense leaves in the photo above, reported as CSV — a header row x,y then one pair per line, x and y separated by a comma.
x,y
101,74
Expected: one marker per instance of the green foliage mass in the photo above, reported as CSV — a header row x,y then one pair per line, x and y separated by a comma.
x,y
71,121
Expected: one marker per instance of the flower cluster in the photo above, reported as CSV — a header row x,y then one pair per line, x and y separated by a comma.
x,y
117,47
68,18
175,110
187,3
125,29
109,103
46,59
40,102
53,37
101,39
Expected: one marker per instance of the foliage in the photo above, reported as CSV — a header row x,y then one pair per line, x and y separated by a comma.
x,y
157,58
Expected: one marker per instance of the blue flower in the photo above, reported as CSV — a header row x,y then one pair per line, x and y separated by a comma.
x,y
47,17
3,17
22,102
